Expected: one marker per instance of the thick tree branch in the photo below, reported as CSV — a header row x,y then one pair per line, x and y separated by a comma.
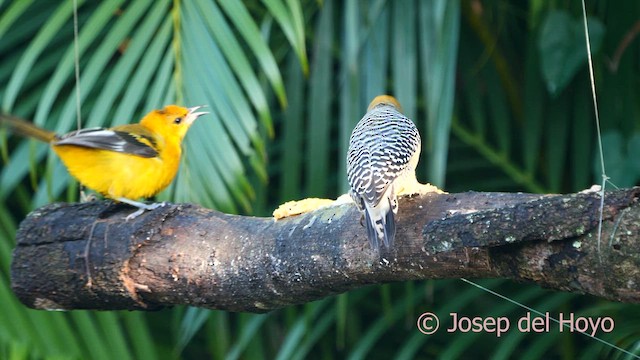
x,y
85,256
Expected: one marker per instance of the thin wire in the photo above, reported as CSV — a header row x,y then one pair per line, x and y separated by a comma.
x,y
77,62
605,178
552,318
595,108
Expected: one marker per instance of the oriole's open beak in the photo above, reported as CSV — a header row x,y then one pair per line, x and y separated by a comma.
x,y
192,115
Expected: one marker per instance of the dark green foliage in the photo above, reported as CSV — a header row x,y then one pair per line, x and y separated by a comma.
x,y
499,90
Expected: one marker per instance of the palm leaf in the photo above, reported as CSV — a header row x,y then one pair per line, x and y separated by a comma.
x,y
276,116
134,56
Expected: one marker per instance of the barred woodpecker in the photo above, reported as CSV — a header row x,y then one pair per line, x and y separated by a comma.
x,y
384,150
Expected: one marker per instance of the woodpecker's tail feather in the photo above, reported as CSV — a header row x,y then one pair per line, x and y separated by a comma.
x,y
381,224
25,128
372,234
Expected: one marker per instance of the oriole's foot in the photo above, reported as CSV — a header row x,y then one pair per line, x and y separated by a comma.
x,y
142,207
87,197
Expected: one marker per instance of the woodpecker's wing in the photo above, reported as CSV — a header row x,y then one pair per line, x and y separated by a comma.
x,y
122,139
380,149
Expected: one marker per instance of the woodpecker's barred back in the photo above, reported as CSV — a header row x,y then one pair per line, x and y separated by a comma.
x,y
384,149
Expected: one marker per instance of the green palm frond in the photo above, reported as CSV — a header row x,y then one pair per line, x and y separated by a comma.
x,y
142,55
285,82
134,56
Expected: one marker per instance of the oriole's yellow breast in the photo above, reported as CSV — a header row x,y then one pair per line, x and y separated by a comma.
x,y
115,174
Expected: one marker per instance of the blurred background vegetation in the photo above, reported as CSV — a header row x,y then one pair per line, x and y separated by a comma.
x,y
499,90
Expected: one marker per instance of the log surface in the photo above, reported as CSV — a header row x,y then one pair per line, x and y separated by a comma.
x,y
85,256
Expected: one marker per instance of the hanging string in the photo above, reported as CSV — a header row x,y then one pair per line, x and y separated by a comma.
x,y
76,52
605,178
76,62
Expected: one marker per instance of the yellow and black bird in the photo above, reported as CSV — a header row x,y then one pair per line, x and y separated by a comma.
x,y
125,162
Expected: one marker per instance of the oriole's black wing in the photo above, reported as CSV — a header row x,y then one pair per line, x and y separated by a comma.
x,y
139,143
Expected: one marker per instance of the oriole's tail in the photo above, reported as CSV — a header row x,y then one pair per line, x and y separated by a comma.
x,y
25,128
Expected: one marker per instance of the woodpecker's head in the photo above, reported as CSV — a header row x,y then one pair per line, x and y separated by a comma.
x,y
384,100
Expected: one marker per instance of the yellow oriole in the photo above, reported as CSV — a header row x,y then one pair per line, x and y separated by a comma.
x,y
125,162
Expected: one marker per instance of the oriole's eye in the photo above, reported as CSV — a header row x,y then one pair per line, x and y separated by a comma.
x,y
178,120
